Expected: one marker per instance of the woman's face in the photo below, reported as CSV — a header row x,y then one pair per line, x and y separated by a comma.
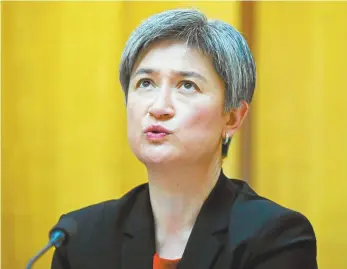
x,y
175,105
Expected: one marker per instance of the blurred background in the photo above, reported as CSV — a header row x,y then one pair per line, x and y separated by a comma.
x,y
63,116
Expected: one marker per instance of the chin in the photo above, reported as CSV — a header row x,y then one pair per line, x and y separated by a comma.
x,y
150,160
156,155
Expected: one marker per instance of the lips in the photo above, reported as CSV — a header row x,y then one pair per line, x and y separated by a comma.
x,y
157,129
156,132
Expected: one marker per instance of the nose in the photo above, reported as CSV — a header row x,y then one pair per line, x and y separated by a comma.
x,y
162,108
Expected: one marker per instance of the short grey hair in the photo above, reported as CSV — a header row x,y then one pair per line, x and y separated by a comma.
x,y
229,51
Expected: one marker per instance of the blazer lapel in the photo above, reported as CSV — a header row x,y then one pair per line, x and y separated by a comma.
x,y
206,240
138,246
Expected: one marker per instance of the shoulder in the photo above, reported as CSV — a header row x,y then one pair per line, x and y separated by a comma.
x,y
109,211
267,227
98,225
262,211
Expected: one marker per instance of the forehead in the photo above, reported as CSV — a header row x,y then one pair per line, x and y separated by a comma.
x,y
169,55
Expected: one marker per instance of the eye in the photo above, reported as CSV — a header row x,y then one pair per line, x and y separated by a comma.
x,y
188,86
145,84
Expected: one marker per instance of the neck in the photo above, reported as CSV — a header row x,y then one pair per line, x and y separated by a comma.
x,y
177,194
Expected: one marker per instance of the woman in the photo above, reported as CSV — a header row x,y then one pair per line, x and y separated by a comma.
x,y
188,83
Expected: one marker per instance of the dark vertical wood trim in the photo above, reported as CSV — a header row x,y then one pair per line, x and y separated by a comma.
x,y
247,12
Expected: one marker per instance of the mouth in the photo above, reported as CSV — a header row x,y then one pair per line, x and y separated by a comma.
x,y
156,132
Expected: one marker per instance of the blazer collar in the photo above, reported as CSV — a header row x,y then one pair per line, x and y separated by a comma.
x,y
139,237
205,241
208,236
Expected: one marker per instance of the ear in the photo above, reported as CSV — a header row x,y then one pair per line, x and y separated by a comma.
x,y
235,117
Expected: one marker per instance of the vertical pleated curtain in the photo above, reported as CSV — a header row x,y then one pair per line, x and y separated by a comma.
x,y
299,124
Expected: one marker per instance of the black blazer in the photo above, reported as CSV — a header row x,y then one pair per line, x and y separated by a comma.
x,y
236,228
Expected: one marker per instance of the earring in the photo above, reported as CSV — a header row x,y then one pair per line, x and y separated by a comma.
x,y
226,139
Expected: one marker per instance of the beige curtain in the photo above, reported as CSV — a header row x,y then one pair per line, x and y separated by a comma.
x,y
299,124
63,116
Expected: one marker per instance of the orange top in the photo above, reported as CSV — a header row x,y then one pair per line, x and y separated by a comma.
x,y
160,263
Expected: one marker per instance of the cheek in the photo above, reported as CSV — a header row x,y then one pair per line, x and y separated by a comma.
x,y
133,128
134,108
205,117
134,117
130,117
201,131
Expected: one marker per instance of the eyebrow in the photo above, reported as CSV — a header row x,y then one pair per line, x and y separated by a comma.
x,y
149,71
